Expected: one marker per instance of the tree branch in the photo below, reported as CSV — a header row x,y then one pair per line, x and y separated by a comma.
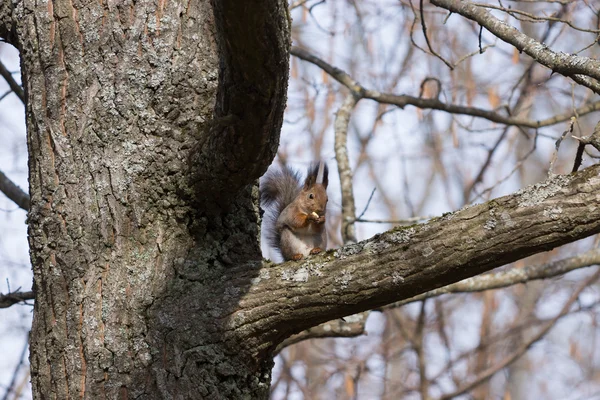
x,y
511,277
593,139
506,361
14,192
14,86
254,46
15,375
479,283
565,64
342,119
7,300
435,104
351,326
404,262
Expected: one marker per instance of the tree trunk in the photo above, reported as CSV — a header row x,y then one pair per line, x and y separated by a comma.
x,y
130,302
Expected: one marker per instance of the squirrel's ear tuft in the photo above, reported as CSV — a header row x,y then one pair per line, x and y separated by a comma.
x,y
324,178
317,174
311,177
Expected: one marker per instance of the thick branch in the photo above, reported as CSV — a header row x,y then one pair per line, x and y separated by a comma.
x,y
435,104
479,283
254,41
565,64
14,192
405,262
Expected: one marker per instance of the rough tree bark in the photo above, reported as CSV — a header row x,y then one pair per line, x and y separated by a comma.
x,y
120,98
148,124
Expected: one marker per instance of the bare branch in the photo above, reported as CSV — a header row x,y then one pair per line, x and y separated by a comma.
x,y
407,221
298,3
562,137
14,192
351,326
342,119
13,381
565,64
435,104
420,350
7,300
491,371
534,18
14,86
593,139
511,277
424,27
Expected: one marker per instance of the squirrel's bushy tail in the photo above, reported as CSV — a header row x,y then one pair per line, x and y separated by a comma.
x,y
278,188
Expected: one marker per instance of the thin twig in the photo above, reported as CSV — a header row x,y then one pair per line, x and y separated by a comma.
x,y
578,68
351,326
367,205
13,380
534,18
513,170
424,26
298,4
558,142
593,139
420,350
486,164
406,221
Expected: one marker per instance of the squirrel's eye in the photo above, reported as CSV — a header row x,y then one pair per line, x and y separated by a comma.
x,y
311,196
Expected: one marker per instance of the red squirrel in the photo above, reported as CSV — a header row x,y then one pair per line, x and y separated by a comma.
x,y
295,216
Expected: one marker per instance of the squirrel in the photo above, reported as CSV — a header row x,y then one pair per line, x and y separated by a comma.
x,y
295,216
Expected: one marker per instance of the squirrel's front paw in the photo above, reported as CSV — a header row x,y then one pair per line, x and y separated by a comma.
x,y
297,257
316,250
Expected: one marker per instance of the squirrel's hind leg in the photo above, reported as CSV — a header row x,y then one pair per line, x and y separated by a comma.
x,y
292,247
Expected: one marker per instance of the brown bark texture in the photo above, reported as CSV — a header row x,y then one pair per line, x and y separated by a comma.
x,y
148,125
120,96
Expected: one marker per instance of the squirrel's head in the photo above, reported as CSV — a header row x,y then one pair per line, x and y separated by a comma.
x,y
314,191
